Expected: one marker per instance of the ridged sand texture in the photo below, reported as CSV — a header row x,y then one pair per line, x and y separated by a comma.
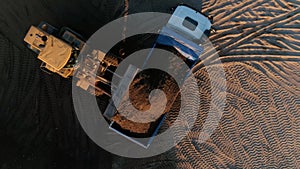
x,y
259,45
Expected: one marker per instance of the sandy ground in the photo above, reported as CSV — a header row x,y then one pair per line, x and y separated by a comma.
x,y
259,45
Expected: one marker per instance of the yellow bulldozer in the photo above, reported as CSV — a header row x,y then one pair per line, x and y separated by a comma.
x,y
57,49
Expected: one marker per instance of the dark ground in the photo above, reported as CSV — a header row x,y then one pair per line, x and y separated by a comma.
x,y
39,129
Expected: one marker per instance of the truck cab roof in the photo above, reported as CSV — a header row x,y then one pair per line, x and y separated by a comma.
x,y
189,22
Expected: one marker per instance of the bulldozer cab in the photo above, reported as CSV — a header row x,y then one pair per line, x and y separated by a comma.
x,y
57,55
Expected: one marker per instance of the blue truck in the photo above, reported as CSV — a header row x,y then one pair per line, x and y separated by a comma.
x,y
184,33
